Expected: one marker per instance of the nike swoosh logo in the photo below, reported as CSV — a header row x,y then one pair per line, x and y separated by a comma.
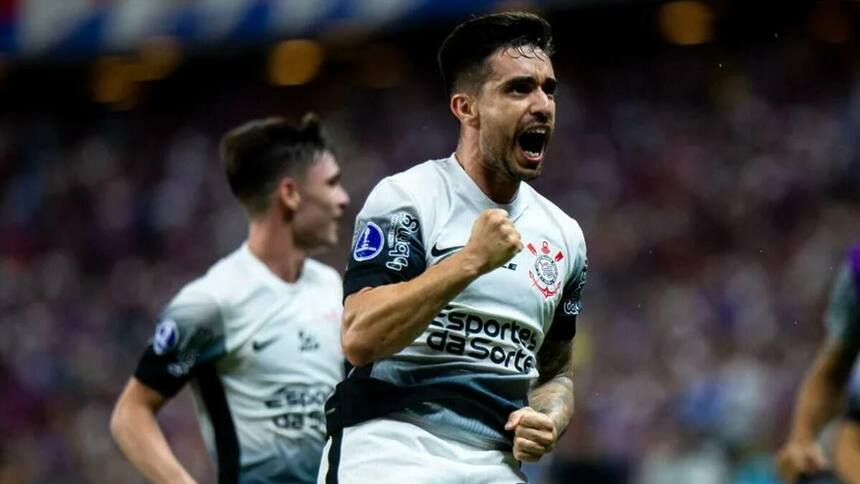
x,y
437,252
260,345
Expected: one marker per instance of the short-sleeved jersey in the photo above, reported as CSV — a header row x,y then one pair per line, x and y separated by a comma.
x,y
843,318
474,363
262,356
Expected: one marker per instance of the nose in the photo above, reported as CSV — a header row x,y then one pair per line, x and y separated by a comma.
x,y
542,106
343,200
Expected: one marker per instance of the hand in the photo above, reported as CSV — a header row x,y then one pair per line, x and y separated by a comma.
x,y
797,459
494,240
534,434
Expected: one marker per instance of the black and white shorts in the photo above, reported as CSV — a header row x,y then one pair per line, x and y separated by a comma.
x,y
385,451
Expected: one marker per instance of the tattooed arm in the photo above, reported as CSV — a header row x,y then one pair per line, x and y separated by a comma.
x,y
537,427
552,394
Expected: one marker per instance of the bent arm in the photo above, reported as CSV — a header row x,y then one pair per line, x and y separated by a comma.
x,y
552,393
820,394
135,429
380,321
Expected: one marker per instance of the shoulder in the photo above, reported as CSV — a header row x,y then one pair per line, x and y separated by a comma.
x,y
416,191
421,178
227,276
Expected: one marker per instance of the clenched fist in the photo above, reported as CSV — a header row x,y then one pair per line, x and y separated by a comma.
x,y
534,434
494,240
797,459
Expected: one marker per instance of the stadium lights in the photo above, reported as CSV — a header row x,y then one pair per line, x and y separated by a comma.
x,y
157,58
114,83
295,62
685,22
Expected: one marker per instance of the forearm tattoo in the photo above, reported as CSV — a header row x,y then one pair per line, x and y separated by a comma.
x,y
552,393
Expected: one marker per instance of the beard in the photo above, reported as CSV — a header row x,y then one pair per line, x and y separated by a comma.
x,y
501,156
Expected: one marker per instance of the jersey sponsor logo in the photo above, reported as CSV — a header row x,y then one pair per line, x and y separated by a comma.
x,y
435,251
573,305
369,244
166,336
300,406
402,229
465,334
184,363
258,346
544,274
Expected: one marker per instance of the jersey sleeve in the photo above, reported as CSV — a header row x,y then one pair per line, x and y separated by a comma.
x,y
188,334
568,308
387,245
843,315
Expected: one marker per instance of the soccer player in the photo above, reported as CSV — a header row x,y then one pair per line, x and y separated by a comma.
x,y
258,335
463,286
821,395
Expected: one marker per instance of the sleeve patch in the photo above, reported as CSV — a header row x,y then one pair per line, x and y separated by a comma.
x,y
166,336
368,244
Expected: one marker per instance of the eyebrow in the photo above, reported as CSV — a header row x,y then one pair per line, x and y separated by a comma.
x,y
550,82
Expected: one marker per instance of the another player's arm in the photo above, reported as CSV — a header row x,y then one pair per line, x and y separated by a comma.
x,y
380,321
819,399
136,430
821,393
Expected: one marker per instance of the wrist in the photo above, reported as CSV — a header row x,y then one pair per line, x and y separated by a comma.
x,y
802,437
471,263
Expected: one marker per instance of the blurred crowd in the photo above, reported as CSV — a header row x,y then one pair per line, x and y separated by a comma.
x,y
718,192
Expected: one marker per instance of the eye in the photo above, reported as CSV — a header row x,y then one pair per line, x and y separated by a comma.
x,y
521,87
549,87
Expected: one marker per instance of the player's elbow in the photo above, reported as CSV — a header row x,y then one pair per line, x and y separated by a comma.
x,y
357,349
119,420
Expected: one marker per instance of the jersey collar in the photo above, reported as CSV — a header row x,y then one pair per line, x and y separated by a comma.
x,y
470,190
262,271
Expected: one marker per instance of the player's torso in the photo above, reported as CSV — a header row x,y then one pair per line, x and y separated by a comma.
x,y
497,323
282,362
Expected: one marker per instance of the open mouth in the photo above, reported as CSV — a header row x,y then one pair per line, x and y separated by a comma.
x,y
533,142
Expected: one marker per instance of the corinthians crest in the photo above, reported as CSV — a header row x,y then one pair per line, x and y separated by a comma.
x,y
545,274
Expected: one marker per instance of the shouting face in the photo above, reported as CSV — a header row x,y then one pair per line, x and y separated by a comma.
x,y
516,111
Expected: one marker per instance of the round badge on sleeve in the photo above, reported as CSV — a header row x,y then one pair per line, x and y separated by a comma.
x,y
368,244
166,336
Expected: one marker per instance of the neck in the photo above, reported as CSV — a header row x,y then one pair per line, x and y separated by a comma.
x,y
490,177
272,241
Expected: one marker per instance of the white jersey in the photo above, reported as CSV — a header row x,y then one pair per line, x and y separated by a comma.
x,y
262,357
475,361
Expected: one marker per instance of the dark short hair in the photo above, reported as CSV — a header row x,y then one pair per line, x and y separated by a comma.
x,y
257,154
463,54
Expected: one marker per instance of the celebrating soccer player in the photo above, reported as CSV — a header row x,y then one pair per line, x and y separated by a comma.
x,y
463,286
821,395
258,334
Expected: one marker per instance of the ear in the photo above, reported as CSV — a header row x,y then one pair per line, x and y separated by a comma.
x,y
463,106
288,194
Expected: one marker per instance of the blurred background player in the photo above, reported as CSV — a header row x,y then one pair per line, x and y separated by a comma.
x,y
822,395
464,285
257,335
